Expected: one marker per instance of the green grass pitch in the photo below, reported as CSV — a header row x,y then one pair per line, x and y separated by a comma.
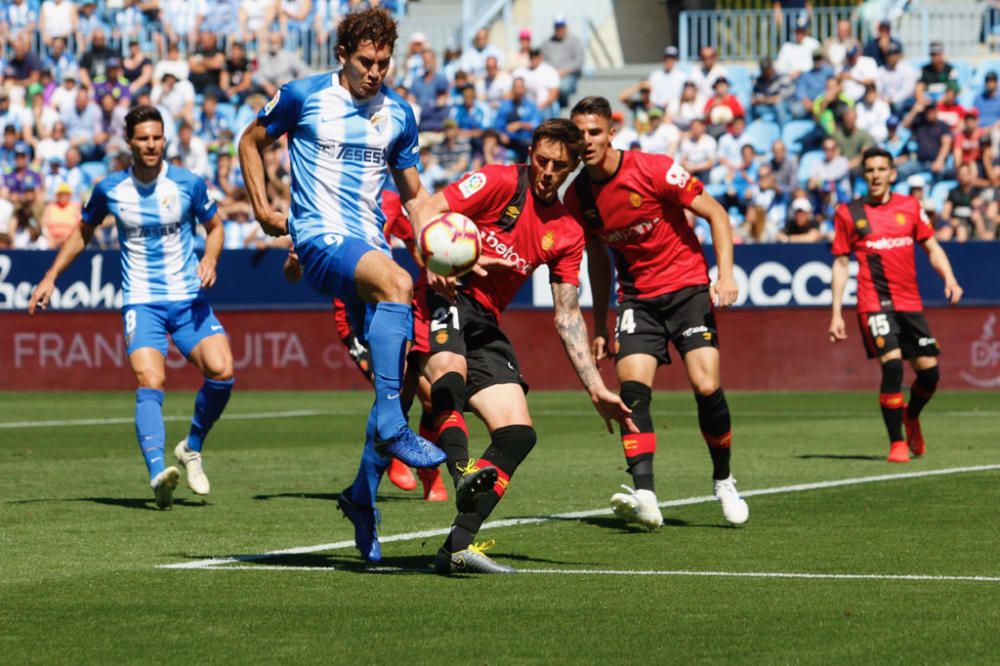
x,y
81,543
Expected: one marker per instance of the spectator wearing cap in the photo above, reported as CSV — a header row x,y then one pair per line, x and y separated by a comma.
x,y
661,137
879,46
963,210
794,55
836,46
471,115
276,65
516,119
698,152
873,113
60,216
897,81
972,145
519,57
454,151
988,102
623,136
689,107
83,125
53,172
542,81
58,60
933,142
113,83
494,86
772,94
94,63
857,72
23,67
63,97
137,68
897,144
802,226
722,108
637,97
666,82
57,18
564,51
473,61
707,71
810,86
22,186
935,76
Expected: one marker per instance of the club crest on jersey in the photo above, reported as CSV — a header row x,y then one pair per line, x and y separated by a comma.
x,y
590,214
548,240
900,219
635,199
441,337
880,342
375,120
861,224
472,184
272,103
167,201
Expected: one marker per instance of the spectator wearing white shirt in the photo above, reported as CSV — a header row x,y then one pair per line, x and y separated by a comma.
x,y
494,87
795,56
182,18
897,81
191,151
64,96
705,74
174,63
473,61
688,107
57,18
873,114
836,47
857,72
55,146
661,136
729,150
176,96
698,152
667,82
542,82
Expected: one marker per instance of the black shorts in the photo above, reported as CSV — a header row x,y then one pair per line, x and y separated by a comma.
x,y
684,317
468,329
909,332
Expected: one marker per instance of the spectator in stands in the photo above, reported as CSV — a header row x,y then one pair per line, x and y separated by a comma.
x,y
829,109
564,52
26,233
494,87
794,8
7,148
963,210
880,46
730,149
793,58
852,140
637,97
83,125
624,136
451,62
454,152
209,123
950,112
699,152
722,108
294,19
785,168
431,84
873,114
40,120
57,18
741,180
74,175
667,82
471,116
802,225
22,186
53,173
836,46
23,68
94,63
130,22
10,117
174,63
918,190
137,67
857,72
491,151
277,65
519,57
756,227
473,60
988,102
935,76
689,107
708,70
61,216
64,97
810,86
896,143
413,63
114,83
256,17
772,94
206,65
829,182
972,145
542,82
237,77
112,123
432,176
933,141
176,96
191,151
516,120
15,17
89,21
53,146
58,60
897,81
661,137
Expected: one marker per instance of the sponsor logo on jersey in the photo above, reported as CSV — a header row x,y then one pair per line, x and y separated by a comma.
x,y
472,184
548,240
635,199
889,243
269,107
927,342
707,335
505,251
697,329
632,232
153,231
354,152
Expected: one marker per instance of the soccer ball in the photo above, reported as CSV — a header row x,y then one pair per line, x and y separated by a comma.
x,y
449,244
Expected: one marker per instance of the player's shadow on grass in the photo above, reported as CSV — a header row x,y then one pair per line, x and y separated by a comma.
x,y
612,523
838,456
333,497
124,502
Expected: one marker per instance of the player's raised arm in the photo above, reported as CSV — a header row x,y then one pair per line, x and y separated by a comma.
x,y
573,331
71,248
725,291
599,270
252,144
939,262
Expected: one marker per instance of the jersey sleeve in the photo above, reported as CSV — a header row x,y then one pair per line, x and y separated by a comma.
x,y
565,268
923,228
842,227
202,205
96,208
673,183
481,192
405,150
281,113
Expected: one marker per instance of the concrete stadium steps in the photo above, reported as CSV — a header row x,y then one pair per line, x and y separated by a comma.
x,y
440,20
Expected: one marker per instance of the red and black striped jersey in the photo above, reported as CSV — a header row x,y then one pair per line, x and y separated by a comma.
x,y
882,238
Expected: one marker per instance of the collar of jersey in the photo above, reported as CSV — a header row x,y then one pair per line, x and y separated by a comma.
x,y
152,183
346,95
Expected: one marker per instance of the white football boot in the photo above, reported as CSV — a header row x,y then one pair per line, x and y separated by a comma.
x,y
638,506
163,487
734,508
191,461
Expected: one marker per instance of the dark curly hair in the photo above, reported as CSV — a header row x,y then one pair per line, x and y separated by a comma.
x,y
375,25
561,131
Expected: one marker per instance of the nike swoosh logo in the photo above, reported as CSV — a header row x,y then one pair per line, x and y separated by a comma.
x,y
392,396
216,328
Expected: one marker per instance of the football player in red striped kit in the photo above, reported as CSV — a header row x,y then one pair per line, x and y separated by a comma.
x,y
635,204
881,230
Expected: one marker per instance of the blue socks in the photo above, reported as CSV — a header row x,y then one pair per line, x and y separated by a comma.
x,y
390,328
208,406
149,428
362,492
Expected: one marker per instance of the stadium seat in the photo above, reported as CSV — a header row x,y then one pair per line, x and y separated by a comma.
x,y
939,193
94,171
806,164
794,130
740,80
228,113
762,135
982,69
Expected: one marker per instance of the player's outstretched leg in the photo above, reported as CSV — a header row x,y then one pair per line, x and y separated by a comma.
x,y
448,408
890,400
388,333
151,434
357,502
208,407
509,447
921,391
639,504
716,428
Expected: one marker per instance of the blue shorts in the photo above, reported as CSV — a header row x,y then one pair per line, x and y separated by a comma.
x,y
187,322
329,263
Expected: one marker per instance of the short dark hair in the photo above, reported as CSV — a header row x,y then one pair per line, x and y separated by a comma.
x,y
594,105
375,25
561,131
875,151
143,113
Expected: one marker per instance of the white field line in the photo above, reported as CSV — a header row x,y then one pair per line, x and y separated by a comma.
x,y
213,563
128,420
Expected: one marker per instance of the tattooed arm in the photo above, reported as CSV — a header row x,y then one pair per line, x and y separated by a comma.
x,y
573,331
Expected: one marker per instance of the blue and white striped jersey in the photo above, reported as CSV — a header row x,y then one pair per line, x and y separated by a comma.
x,y
340,150
156,231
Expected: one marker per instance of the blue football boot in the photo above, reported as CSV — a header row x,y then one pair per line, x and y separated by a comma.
x,y
411,448
366,521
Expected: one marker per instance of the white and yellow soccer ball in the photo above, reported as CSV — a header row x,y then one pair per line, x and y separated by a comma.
x,y
449,244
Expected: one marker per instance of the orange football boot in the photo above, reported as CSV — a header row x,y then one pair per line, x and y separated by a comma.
x,y
434,488
899,452
401,476
914,437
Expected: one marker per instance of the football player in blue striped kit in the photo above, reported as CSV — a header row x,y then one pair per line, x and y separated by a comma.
x,y
156,207
346,133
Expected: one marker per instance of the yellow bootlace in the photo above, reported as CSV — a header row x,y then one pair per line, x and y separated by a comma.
x,y
482,546
469,468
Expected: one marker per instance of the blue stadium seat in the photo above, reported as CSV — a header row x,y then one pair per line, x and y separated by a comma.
x,y
806,163
763,134
94,171
740,80
939,193
228,113
982,69
794,130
